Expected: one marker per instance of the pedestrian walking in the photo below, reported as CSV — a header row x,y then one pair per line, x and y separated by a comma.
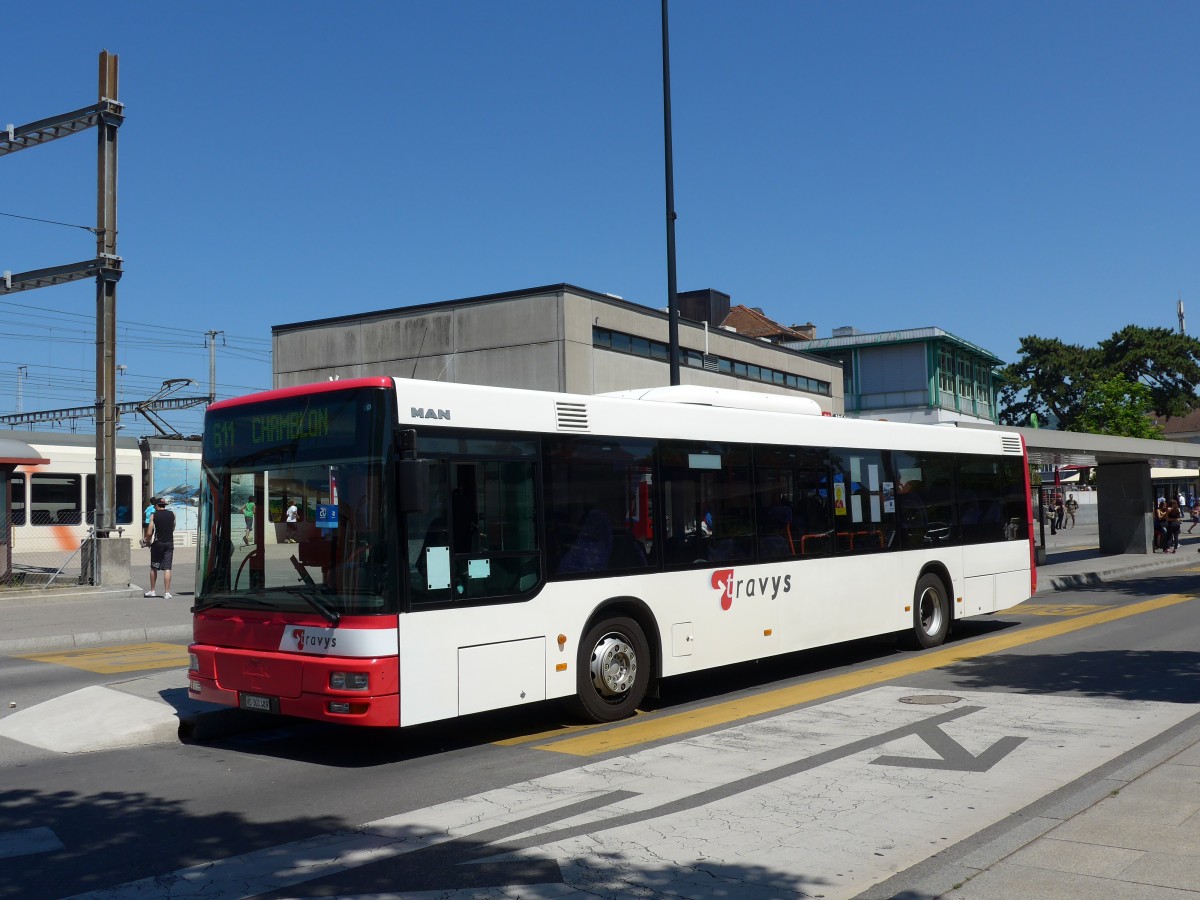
x,y
1174,519
293,517
162,547
1195,515
248,514
1072,507
1060,512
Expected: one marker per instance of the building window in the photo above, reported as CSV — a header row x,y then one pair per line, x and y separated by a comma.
x,y
608,339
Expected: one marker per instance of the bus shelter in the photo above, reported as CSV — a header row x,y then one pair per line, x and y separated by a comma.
x,y
13,453
1126,469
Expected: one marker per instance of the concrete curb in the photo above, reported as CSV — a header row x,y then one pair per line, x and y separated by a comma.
x,y
38,596
1066,582
62,642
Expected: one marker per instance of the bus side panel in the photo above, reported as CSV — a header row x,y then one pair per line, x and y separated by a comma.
x,y
843,599
492,657
997,577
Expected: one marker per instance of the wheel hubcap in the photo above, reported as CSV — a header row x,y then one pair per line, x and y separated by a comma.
x,y
614,666
931,612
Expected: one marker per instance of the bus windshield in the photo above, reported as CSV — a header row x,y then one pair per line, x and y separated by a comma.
x,y
293,506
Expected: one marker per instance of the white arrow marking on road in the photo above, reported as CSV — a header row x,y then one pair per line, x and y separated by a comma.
x,y
789,803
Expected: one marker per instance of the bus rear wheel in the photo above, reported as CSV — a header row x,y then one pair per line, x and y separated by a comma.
x,y
612,671
931,612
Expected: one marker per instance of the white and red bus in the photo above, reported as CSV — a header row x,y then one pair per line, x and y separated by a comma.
x,y
459,548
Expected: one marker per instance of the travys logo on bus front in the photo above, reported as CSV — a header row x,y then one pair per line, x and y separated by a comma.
x,y
308,640
731,587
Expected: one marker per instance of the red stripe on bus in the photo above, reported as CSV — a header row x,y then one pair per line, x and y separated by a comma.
x,y
304,390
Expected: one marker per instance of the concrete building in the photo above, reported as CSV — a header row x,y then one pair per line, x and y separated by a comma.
x,y
922,375
553,338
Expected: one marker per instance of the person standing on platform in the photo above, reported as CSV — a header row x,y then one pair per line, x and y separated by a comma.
x,y
162,547
149,511
1160,525
248,513
293,518
1174,520
1072,508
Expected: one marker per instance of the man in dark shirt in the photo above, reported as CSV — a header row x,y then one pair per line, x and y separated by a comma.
x,y
162,547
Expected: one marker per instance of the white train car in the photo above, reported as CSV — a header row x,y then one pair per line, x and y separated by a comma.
x,y
53,504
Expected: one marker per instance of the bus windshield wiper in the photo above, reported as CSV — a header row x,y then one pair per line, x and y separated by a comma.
x,y
310,597
232,602
308,594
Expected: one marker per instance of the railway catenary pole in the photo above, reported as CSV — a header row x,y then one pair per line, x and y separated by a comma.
x,y
108,272
211,338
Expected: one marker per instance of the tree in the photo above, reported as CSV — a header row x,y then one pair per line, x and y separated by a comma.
x,y
1167,362
1048,379
1053,379
1116,405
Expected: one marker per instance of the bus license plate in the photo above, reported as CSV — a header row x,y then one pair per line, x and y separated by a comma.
x,y
259,703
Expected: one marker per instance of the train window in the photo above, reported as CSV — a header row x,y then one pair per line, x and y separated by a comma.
x,y
124,500
55,499
16,492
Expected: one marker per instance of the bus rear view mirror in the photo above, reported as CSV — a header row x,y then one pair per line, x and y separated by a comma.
x,y
414,485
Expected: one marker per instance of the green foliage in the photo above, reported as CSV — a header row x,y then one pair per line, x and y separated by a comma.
x,y
1048,379
1118,406
1054,379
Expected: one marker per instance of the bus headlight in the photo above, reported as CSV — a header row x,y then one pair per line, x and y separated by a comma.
x,y
349,681
193,662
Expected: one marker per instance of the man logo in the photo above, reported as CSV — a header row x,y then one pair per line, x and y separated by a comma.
x,y
418,412
298,634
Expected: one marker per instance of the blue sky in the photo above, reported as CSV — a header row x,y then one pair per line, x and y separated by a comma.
x,y
996,170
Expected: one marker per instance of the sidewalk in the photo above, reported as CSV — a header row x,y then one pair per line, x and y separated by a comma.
x,y
1130,829
69,617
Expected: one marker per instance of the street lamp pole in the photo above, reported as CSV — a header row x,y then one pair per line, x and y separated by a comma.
x,y
672,298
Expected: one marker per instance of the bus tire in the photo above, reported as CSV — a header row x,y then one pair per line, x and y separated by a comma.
x,y
931,612
613,670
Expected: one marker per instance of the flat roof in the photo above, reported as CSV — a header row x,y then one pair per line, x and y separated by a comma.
x,y
1049,447
902,336
562,287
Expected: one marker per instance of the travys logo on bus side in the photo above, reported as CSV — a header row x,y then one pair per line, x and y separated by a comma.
x,y
731,587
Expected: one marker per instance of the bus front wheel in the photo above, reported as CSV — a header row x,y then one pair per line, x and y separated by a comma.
x,y
613,670
931,612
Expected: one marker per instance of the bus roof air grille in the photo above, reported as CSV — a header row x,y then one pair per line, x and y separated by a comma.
x,y
1011,445
571,416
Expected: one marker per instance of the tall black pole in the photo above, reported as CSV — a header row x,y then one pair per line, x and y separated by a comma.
x,y
672,299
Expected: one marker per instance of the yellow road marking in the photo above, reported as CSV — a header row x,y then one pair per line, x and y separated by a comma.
x,y
656,728
555,732
1057,609
120,658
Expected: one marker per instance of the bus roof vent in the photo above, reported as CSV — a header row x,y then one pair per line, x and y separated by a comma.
x,y
1011,444
571,416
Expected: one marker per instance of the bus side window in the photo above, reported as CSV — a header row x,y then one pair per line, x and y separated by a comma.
x,y
599,508
428,531
865,517
793,518
926,499
478,537
709,499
